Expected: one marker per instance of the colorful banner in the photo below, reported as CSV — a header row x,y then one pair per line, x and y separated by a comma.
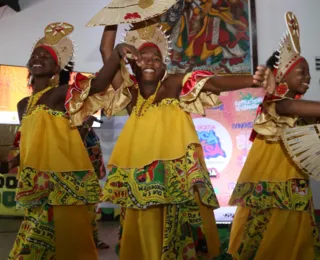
x,y
8,185
224,134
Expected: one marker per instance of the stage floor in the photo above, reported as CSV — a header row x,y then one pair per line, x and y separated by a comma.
x,y
108,233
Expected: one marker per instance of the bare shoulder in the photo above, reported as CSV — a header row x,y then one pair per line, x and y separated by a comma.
x,y
22,103
174,80
61,92
21,106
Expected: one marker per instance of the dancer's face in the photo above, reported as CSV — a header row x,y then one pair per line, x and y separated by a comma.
x,y
152,67
41,63
298,79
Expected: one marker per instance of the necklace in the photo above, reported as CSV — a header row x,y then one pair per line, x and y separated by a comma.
x,y
33,99
143,105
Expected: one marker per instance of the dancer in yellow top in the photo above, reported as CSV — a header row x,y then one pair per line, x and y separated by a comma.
x,y
275,215
57,185
157,170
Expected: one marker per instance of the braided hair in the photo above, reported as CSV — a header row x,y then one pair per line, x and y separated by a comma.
x,y
273,60
65,75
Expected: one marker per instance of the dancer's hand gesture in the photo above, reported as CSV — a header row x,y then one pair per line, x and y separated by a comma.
x,y
127,51
264,77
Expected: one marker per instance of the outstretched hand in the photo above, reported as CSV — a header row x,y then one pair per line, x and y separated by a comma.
x,y
127,51
263,77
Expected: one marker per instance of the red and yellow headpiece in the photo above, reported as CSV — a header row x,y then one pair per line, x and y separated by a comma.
x,y
57,42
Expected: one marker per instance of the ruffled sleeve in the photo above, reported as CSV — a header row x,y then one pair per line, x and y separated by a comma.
x,y
122,96
268,123
80,105
192,98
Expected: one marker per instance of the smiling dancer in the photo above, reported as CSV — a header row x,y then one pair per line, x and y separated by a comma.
x,y
57,185
275,215
157,170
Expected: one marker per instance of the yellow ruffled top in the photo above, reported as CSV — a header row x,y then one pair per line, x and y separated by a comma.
x,y
80,105
269,124
168,120
53,148
156,124
55,167
269,178
158,158
165,125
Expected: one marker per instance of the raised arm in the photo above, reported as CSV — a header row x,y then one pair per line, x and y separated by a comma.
x,y
106,48
112,66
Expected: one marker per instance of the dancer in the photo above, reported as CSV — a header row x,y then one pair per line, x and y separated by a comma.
x,y
57,185
275,214
92,143
157,170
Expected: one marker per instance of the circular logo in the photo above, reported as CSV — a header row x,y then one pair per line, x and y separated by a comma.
x,y
216,143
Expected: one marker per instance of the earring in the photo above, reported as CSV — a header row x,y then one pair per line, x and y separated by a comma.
x,y
55,80
164,76
282,89
30,80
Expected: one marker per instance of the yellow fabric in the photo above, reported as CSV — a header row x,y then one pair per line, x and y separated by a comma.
x,y
55,233
209,227
53,148
81,105
268,161
140,131
166,121
270,124
196,101
288,236
30,244
274,219
74,239
143,233
162,182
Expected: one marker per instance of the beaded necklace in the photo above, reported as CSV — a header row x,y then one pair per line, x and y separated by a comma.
x,y
143,105
33,99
